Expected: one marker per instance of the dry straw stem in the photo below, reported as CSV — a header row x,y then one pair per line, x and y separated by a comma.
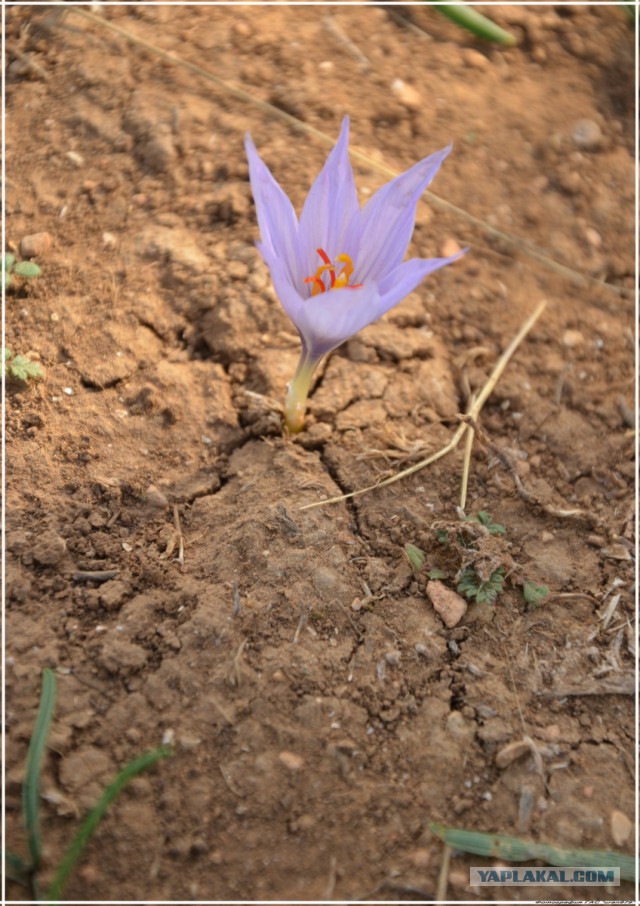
x,y
468,419
512,243
466,466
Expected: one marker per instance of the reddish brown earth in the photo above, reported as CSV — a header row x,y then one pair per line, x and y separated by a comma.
x,y
321,712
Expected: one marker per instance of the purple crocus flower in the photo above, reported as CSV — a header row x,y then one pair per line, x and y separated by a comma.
x,y
338,268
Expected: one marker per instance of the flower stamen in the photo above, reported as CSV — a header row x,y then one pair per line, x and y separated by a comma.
x,y
336,281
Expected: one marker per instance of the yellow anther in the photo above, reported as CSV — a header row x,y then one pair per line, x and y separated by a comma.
x,y
336,281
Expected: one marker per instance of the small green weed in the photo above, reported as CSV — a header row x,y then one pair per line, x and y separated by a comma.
x,y
473,588
415,556
534,594
20,367
485,519
473,554
12,268
25,871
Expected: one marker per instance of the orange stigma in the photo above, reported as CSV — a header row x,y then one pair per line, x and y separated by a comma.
x,y
336,280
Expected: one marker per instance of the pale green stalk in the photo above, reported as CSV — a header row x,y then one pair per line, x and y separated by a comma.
x,y
297,393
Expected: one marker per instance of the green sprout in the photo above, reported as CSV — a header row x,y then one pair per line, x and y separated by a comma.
x,y
12,268
24,871
534,594
415,556
515,849
475,22
481,566
485,519
483,592
20,367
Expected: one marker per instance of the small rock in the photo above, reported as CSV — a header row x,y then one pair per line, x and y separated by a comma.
x,y
154,497
291,760
614,552
109,241
587,135
540,183
408,96
50,549
474,59
449,247
326,66
621,827
459,878
420,858
35,245
76,159
113,593
570,182
257,281
593,237
550,733
159,153
448,604
572,338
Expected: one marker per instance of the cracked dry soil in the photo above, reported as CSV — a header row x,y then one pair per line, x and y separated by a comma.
x,y
322,714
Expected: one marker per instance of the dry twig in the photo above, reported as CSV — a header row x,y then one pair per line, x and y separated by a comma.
x,y
471,416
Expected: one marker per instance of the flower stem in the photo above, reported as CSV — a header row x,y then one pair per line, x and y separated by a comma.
x,y
297,392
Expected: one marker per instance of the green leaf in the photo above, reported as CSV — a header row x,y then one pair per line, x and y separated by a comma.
x,y
21,368
514,849
442,537
489,591
7,353
6,279
436,574
535,594
31,786
7,261
27,269
94,817
415,556
472,586
475,22
484,518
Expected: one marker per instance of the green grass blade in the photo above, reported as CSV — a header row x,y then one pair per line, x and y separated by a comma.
x,y
94,817
31,786
475,22
513,849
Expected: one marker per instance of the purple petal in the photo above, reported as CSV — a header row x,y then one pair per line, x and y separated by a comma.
x,y
276,217
388,219
406,277
331,213
328,319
